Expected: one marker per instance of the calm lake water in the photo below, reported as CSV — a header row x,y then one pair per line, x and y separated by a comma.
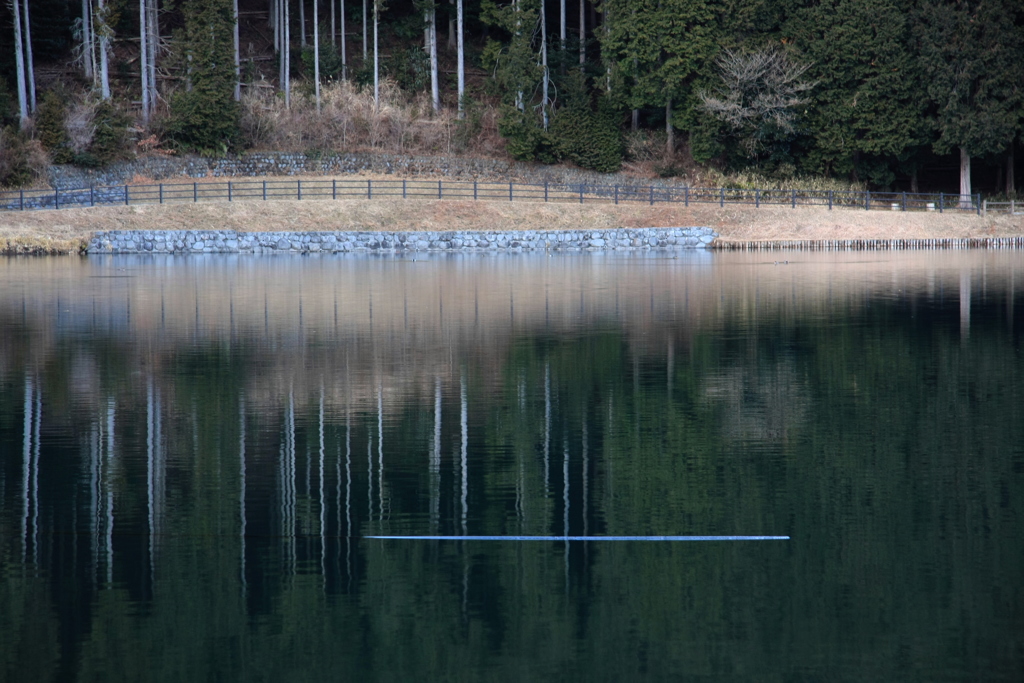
x,y
195,451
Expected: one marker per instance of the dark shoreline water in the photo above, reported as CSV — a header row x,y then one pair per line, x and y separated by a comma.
x,y
193,453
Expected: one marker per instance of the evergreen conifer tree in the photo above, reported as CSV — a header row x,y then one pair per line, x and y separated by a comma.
x,y
205,116
972,57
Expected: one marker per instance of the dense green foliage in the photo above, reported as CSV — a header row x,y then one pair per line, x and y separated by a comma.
x,y
898,87
204,117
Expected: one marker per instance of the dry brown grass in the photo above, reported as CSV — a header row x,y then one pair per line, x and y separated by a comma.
x,y
349,120
68,230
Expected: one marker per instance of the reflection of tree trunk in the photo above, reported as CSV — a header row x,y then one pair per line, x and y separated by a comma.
x,y
463,461
241,485
435,461
547,425
965,179
965,304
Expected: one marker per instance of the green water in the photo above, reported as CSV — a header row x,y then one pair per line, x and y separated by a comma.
x,y
193,452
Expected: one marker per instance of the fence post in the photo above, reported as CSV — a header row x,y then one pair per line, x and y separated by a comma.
x,y
581,193
652,195
405,189
264,190
978,203
941,201
161,193
686,196
475,197
438,189
334,188
794,198
510,191
229,190
21,200
195,193
545,190
92,195
867,200
56,197
298,189
830,200
757,199
616,194
904,202
369,189
721,197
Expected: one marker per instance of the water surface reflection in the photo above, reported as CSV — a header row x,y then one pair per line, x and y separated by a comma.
x,y
193,452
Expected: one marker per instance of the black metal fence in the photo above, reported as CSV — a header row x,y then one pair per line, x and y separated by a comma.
x,y
278,190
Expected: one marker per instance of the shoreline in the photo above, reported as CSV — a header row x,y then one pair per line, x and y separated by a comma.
x,y
69,231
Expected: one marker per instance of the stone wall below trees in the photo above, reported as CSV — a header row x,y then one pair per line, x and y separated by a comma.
x,y
234,242
260,164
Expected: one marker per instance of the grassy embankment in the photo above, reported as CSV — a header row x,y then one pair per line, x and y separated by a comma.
x,y
69,230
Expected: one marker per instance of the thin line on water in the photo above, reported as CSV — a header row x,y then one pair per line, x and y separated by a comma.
x,y
580,538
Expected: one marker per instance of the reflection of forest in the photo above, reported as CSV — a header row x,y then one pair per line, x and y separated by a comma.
x,y
397,323
219,459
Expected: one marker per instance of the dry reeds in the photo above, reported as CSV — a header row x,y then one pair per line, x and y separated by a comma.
x,y
349,120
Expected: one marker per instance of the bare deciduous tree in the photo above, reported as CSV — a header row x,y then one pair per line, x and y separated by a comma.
x,y
759,95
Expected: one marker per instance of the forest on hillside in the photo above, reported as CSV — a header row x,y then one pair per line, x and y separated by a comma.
x,y
917,95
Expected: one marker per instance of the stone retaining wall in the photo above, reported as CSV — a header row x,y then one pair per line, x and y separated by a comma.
x,y
290,164
233,242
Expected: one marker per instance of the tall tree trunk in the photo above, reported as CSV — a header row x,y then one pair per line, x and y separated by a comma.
x,y
562,32
88,52
670,135
104,51
376,56
452,40
435,92
144,57
583,33
19,65
965,179
274,13
302,22
366,43
544,60
30,71
1011,181
344,57
460,58
286,45
316,51
238,60
334,24
154,46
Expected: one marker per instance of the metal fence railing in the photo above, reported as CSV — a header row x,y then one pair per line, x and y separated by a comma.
x,y
276,190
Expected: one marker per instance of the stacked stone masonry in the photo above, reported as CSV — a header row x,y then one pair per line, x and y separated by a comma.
x,y
233,242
